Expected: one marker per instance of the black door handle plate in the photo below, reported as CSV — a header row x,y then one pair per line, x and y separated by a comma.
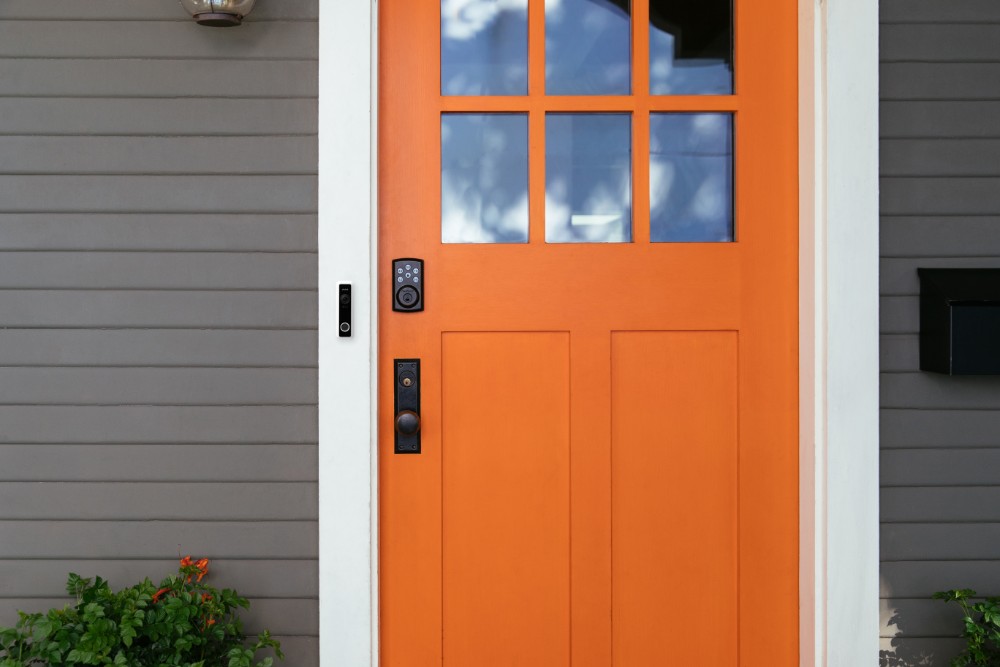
x,y
406,374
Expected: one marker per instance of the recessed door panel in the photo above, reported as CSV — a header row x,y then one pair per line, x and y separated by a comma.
x,y
505,482
674,497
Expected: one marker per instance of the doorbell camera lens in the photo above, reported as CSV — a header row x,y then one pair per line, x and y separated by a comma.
x,y
345,298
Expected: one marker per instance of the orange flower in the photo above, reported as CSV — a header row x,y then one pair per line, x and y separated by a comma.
x,y
202,566
159,594
186,561
205,597
211,622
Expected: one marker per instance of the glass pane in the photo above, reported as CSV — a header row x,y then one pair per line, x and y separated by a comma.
x,y
588,178
691,176
691,47
484,178
587,47
484,47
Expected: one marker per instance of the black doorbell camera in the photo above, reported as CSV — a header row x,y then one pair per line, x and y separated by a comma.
x,y
345,310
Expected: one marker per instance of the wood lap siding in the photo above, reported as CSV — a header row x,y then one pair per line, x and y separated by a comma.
x,y
158,302
940,205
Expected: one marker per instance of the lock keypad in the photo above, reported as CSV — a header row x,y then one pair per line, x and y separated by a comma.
x,y
408,286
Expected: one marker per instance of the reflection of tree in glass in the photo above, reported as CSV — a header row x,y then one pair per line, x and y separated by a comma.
x,y
690,47
484,47
484,178
587,47
691,177
588,182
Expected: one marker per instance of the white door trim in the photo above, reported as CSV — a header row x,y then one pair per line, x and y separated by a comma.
x,y
348,381
839,399
838,333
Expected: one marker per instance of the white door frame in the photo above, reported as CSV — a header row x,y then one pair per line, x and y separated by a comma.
x,y
838,333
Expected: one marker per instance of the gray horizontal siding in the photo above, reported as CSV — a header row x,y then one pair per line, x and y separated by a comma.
x,y
935,11
167,501
157,347
161,424
149,232
921,579
926,391
940,237
157,309
939,81
139,77
940,157
899,275
154,270
102,10
72,116
35,155
904,428
155,39
954,466
217,463
940,204
940,43
905,195
254,578
938,119
158,302
899,352
938,541
24,385
59,539
158,194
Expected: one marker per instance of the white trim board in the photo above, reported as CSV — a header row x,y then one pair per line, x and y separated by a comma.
x,y
348,481
839,510
838,333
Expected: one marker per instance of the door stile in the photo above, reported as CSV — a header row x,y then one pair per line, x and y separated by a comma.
x,y
590,502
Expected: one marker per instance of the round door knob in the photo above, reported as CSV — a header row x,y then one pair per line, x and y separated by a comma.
x,y
407,422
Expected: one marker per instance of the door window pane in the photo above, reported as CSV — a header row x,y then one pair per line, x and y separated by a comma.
x,y
588,178
691,47
484,178
484,47
691,177
587,47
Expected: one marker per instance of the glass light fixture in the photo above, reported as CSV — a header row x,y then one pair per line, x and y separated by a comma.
x,y
218,13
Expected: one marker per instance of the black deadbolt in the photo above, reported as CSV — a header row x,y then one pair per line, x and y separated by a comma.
x,y
408,285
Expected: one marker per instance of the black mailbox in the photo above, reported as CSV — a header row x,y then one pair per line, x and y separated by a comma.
x,y
960,321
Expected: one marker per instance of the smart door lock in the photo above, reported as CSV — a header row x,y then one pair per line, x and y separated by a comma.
x,y
406,373
408,285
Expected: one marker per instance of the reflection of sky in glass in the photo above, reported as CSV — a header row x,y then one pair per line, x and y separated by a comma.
x,y
588,178
691,176
484,47
484,178
690,47
587,47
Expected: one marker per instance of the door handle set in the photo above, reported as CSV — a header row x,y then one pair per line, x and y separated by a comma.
x,y
407,281
406,374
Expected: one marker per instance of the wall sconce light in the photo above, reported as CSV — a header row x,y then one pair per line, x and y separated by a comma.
x,y
218,13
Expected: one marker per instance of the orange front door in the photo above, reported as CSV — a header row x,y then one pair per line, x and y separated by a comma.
x,y
604,198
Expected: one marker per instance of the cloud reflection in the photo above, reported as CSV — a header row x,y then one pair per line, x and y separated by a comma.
x,y
484,47
484,178
691,177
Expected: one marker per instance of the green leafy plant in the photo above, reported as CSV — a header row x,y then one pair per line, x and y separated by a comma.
x,y
982,628
180,623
